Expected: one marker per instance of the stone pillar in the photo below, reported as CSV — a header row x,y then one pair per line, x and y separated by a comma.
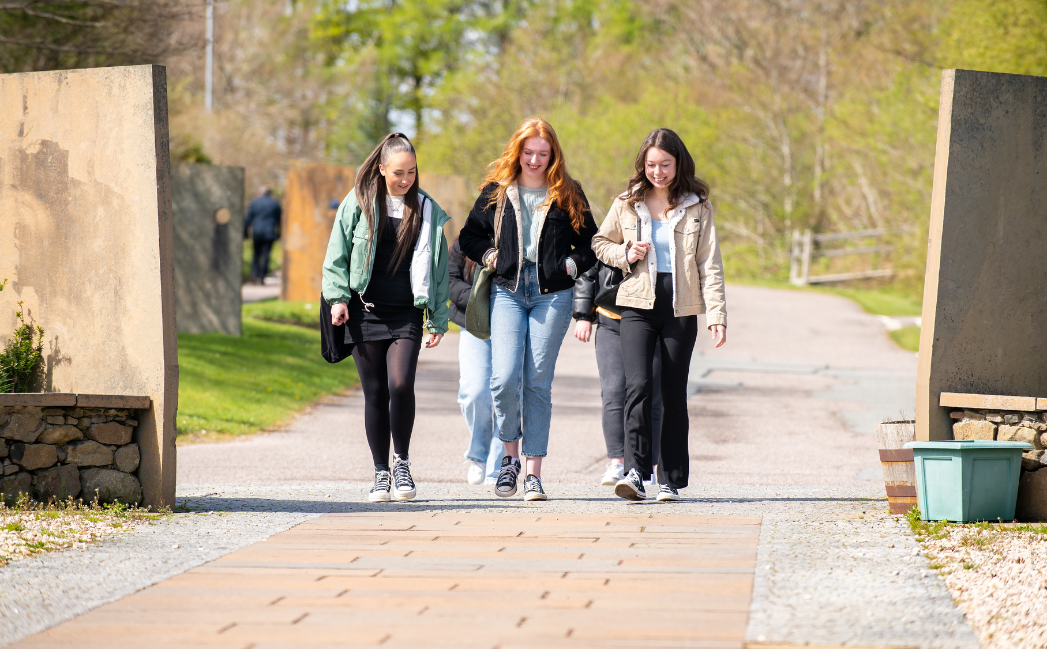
x,y
86,241
454,197
208,229
984,304
308,219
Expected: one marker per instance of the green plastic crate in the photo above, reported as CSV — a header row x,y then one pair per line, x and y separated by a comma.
x,y
967,481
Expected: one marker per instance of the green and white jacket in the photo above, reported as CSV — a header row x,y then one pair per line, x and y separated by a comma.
x,y
350,260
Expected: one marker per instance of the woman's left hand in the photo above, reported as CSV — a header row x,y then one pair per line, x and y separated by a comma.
x,y
434,340
719,333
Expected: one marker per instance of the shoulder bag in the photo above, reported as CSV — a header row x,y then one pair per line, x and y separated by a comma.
x,y
478,311
332,338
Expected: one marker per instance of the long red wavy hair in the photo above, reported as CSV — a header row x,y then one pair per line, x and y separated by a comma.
x,y
564,191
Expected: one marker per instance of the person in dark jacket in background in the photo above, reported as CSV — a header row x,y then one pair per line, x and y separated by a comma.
x,y
474,383
612,374
263,222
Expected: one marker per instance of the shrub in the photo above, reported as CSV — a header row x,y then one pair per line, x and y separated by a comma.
x,y
22,355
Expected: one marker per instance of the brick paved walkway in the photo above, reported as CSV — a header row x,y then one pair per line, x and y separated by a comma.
x,y
452,579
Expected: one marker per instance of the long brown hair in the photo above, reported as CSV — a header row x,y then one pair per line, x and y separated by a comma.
x,y
563,190
371,192
684,183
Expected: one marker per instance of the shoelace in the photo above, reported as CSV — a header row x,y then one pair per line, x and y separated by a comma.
x,y
533,484
381,481
507,475
402,473
666,489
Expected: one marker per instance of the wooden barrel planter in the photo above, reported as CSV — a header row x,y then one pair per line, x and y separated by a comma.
x,y
899,468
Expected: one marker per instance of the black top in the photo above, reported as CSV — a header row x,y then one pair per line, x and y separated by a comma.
x,y
263,217
390,312
557,242
461,284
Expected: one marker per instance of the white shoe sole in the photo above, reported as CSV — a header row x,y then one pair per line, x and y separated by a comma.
x,y
536,496
610,481
474,481
667,498
380,497
627,491
405,495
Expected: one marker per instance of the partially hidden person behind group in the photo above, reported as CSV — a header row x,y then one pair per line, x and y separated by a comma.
x,y
262,223
611,367
662,235
484,453
545,243
385,276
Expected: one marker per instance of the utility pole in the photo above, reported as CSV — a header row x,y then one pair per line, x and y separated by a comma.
x,y
209,72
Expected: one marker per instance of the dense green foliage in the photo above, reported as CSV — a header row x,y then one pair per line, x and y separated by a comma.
x,y
303,314
22,354
243,384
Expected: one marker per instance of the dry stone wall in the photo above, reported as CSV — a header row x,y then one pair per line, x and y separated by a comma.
x,y
1014,426
54,453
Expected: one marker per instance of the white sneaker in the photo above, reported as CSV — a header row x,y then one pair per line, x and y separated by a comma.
x,y
615,472
382,484
476,472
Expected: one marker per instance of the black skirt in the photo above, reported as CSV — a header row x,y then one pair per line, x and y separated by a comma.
x,y
390,312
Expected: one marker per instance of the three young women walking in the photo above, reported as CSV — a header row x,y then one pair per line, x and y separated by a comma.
x,y
385,277
662,235
544,243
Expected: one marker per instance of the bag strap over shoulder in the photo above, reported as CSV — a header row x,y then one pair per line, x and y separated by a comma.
x,y
498,214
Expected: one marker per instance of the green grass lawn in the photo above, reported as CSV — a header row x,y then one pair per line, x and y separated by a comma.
x,y
231,385
305,314
907,338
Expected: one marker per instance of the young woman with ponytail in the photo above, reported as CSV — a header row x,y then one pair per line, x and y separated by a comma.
x,y
545,237
385,277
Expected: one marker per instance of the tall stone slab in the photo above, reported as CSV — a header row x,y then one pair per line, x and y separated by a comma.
x,y
454,197
985,296
208,246
86,241
308,219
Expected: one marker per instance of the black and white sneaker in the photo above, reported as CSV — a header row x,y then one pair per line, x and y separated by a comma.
x,y
533,488
382,485
403,485
665,492
507,475
630,487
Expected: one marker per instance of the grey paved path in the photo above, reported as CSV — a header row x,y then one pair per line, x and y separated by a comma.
x,y
782,428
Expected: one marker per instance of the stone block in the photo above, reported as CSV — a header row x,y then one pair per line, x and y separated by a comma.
x,y
60,434
14,484
994,417
56,483
109,485
110,433
3,448
973,429
10,469
208,225
1032,497
3,418
1019,434
126,458
49,412
1032,460
88,453
34,456
85,168
986,235
23,427
1012,418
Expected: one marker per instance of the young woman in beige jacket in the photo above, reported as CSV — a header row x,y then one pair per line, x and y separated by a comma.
x,y
662,235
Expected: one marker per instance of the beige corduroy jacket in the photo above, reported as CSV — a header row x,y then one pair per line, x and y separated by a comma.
x,y
697,267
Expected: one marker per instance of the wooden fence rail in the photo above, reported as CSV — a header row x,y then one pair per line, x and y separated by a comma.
x,y
803,251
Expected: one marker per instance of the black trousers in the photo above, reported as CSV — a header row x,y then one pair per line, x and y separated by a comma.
x,y
643,331
260,260
612,388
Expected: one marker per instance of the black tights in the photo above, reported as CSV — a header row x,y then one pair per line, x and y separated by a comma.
x,y
387,369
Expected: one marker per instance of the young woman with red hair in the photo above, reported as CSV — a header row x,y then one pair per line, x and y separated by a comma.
x,y
544,244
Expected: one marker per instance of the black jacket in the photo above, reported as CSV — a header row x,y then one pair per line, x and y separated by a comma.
x,y
461,284
585,295
556,242
263,217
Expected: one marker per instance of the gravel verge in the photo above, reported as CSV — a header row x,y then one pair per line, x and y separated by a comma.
x,y
998,577
825,574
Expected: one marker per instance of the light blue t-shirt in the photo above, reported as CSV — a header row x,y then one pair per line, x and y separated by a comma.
x,y
663,238
530,199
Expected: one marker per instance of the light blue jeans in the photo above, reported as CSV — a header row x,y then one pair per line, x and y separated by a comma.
x,y
527,329
474,397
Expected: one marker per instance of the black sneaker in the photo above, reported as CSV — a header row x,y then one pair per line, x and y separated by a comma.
x,y
380,490
630,487
403,485
506,485
665,492
533,488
